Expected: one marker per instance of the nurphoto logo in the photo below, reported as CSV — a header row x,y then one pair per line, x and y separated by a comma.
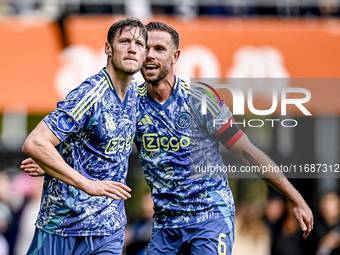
x,y
245,97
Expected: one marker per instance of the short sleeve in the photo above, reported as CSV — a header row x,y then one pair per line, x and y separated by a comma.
x,y
216,118
73,113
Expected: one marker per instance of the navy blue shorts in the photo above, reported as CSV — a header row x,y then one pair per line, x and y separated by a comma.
x,y
48,244
208,237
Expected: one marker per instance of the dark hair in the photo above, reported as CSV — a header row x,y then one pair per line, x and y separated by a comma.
x,y
160,26
117,28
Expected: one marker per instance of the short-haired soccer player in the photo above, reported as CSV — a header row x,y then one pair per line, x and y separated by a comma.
x,y
192,215
81,211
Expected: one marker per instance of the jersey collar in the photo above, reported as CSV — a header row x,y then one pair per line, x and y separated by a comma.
x,y
168,101
114,91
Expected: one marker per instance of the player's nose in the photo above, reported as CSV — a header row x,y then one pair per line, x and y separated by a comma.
x,y
150,54
132,48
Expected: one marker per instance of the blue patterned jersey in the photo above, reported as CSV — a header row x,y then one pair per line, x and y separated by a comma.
x,y
96,131
175,138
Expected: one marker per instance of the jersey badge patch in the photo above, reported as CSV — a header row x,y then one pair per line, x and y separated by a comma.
x,y
65,123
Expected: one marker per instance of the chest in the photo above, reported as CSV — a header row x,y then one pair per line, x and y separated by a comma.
x,y
113,127
164,129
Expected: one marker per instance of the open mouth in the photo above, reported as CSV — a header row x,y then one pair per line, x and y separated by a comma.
x,y
151,67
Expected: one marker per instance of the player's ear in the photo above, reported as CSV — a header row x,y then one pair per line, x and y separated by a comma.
x,y
176,56
108,49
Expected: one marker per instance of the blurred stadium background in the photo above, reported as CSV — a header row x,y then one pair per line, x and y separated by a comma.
x,y
50,46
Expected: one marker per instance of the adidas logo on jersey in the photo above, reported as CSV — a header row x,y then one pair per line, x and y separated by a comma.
x,y
146,120
110,125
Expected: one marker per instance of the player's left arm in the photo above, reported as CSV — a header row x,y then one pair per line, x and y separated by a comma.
x,y
251,155
237,142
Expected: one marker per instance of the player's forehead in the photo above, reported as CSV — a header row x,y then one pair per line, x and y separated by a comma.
x,y
156,37
134,33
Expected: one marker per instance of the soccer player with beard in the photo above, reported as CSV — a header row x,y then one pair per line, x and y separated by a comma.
x,y
192,215
83,146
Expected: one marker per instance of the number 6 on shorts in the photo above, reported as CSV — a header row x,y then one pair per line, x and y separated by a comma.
x,y
222,247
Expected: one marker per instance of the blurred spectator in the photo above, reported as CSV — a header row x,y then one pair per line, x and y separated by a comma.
x,y
287,236
138,234
274,211
31,189
327,226
330,243
252,236
5,213
20,197
5,184
5,219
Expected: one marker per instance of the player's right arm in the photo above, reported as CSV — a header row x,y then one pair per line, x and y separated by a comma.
x,y
40,146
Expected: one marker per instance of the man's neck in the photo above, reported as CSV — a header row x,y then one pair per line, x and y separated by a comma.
x,y
121,82
161,91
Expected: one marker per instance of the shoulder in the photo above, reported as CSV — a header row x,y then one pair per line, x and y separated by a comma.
x,y
192,92
92,83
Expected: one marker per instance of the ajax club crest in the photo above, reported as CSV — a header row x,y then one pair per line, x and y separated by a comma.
x,y
183,120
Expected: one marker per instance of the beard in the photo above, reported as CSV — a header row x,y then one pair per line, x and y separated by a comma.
x,y
156,78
